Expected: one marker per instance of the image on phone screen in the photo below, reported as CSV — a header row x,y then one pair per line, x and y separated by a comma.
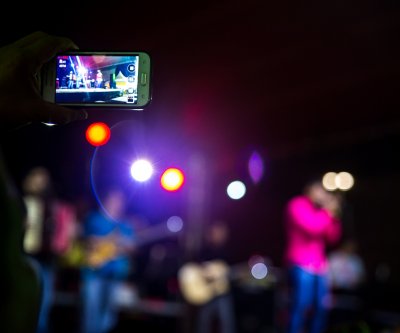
x,y
97,79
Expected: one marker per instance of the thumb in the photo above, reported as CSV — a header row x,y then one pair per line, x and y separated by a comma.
x,y
52,113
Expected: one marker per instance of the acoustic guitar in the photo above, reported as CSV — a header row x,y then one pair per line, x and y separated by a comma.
x,y
202,282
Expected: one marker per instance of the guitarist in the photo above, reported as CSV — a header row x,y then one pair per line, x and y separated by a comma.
x,y
212,266
109,242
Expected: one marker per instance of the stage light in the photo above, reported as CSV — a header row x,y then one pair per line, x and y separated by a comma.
x,y
174,224
98,134
256,167
141,170
344,181
329,181
236,190
259,271
172,179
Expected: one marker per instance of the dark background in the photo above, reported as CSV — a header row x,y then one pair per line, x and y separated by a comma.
x,y
313,87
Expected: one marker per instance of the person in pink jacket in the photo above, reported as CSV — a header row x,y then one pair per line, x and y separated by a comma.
x,y
311,222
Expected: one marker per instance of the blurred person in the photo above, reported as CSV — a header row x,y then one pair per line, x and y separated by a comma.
x,y
346,267
71,77
312,223
49,227
346,277
21,104
99,79
110,241
205,282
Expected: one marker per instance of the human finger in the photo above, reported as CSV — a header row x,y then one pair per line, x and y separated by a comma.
x,y
55,114
45,48
29,39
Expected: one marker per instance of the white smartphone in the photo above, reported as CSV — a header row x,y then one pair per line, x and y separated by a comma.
x,y
117,80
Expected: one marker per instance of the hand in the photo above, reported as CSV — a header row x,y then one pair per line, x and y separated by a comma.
x,y
333,204
20,65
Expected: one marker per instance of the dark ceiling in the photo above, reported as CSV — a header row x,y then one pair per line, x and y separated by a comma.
x,y
283,73
286,77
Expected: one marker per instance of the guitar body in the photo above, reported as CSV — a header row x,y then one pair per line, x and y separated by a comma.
x,y
101,249
101,252
200,283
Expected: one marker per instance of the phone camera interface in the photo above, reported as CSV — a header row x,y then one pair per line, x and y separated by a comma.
x,y
92,79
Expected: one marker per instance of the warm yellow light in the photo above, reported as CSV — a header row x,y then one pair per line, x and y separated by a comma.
x,y
98,134
329,181
344,181
172,179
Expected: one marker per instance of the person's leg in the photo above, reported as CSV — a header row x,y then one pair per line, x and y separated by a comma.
x,y
109,310
47,276
205,316
91,302
301,290
226,314
319,319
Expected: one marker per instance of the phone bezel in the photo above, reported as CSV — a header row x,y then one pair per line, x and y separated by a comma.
x,y
48,80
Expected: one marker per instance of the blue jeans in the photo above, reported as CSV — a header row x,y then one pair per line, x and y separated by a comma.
x,y
308,292
99,314
46,275
220,308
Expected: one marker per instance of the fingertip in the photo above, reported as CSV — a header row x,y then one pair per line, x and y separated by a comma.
x,y
51,113
74,46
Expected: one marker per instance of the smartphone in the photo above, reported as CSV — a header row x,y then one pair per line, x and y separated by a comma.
x,y
116,80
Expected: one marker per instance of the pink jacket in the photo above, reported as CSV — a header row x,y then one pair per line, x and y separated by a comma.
x,y
308,231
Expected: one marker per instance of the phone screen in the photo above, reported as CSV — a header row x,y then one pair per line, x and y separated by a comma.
x,y
97,79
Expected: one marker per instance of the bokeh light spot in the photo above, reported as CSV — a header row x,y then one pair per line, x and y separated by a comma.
x,y
329,181
344,181
236,190
98,134
172,179
259,271
256,167
141,170
174,224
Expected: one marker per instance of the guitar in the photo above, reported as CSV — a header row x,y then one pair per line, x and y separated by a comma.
x,y
202,282
100,250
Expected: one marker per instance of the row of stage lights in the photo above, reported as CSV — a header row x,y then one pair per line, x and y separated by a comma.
x,y
172,179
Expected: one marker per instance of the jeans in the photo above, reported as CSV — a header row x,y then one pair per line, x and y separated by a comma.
x,y
99,314
46,275
221,308
309,292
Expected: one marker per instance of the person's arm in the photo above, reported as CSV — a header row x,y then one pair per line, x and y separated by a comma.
x,y
21,104
20,65
21,297
308,218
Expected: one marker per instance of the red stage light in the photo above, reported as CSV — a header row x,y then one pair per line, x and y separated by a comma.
x,y
98,134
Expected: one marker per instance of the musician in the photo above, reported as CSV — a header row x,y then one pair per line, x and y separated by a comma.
x,y
110,241
48,233
312,223
215,260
